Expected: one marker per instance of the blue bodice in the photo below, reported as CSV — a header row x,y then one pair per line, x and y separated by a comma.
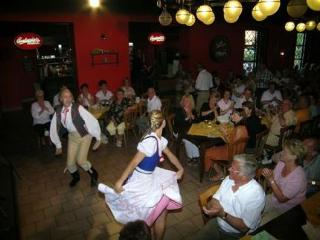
x,y
149,163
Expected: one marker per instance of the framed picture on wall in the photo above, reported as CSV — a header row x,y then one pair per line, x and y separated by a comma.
x,y
219,49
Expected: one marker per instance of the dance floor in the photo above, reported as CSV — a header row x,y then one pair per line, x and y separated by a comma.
x,y
49,209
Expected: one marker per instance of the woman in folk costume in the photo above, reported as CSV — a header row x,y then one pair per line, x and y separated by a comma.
x,y
145,191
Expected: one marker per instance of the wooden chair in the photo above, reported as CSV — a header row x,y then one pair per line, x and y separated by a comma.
x,y
234,148
261,139
170,123
130,118
285,133
306,128
204,199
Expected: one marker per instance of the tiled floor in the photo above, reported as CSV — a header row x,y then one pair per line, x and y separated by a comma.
x,y
49,209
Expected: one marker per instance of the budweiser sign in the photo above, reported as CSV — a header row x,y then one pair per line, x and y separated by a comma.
x,y
156,38
28,41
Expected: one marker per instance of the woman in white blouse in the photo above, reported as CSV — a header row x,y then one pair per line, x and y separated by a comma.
x,y
226,104
41,112
85,98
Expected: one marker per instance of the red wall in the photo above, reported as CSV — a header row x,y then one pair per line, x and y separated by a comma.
x,y
195,44
87,31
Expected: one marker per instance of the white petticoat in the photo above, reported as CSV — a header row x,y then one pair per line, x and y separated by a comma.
x,y
141,195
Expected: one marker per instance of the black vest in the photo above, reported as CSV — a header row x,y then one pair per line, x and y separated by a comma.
x,y
77,121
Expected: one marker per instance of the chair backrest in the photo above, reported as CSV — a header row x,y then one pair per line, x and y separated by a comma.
x,y
306,128
261,139
239,145
204,197
130,118
285,133
142,108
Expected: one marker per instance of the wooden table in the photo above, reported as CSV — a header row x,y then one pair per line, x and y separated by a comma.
x,y
208,134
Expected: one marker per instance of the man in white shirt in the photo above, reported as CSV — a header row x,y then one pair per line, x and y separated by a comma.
x,y
153,103
203,85
237,205
82,126
271,97
41,111
103,95
245,97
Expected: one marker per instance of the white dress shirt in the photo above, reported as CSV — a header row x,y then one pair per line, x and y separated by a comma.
x,y
268,96
154,104
104,96
247,203
204,81
91,124
41,117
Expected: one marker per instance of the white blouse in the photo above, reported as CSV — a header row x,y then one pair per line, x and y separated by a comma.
x,y
41,117
148,146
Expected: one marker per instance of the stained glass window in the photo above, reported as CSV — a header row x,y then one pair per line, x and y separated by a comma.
x,y
250,50
299,51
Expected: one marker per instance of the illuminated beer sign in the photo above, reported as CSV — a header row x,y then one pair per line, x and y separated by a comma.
x,y
156,38
28,41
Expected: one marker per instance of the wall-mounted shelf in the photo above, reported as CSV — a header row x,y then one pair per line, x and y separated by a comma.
x,y
105,57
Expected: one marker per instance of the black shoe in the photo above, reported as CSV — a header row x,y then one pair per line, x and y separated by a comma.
x,y
75,179
94,177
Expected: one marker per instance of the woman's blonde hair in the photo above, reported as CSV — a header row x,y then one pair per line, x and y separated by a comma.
x,y
296,148
189,97
156,119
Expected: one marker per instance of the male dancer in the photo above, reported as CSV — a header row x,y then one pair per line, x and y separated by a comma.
x,y
81,126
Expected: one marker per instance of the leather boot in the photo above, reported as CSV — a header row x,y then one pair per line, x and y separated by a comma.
x,y
75,179
94,177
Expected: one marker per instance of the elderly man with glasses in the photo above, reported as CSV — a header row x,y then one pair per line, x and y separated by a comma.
x,y
237,205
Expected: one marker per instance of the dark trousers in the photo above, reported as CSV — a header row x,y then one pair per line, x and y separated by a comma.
x,y
41,128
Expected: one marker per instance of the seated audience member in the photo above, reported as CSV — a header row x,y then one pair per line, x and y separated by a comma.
x,y
245,97
41,111
116,113
153,103
287,181
56,99
209,110
237,205
271,97
225,104
137,230
129,92
251,83
238,90
311,164
85,98
285,117
303,112
221,152
104,95
184,117
253,124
